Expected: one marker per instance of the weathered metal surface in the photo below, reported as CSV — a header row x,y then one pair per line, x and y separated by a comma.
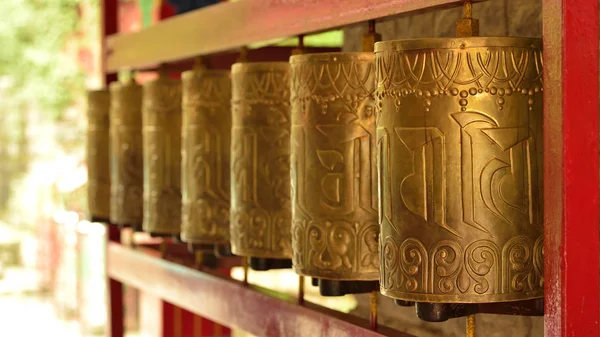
x,y
244,22
459,134
161,112
570,33
334,185
126,157
218,298
98,155
261,213
206,142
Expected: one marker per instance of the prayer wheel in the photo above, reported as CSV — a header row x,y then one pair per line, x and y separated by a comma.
x,y
261,212
97,155
334,183
459,143
206,146
161,111
126,156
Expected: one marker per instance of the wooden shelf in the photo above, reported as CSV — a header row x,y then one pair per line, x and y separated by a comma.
x,y
230,25
259,311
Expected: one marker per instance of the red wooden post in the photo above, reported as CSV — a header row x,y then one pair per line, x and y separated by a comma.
x,y
571,167
115,292
109,25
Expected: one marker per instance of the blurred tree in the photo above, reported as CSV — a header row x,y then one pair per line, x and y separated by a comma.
x,y
39,79
33,35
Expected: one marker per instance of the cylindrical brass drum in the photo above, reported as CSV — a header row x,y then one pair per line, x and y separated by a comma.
x,y
334,183
161,112
126,157
98,156
261,213
459,136
206,146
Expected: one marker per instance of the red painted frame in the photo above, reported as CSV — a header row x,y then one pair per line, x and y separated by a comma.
x,y
571,166
115,292
259,311
109,26
229,25
173,320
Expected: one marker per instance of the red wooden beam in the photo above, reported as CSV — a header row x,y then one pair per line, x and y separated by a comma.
x,y
225,60
230,25
571,167
259,311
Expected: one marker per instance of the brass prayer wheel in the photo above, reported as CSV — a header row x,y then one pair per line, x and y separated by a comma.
x,y
261,213
206,146
161,111
459,136
126,156
334,183
97,155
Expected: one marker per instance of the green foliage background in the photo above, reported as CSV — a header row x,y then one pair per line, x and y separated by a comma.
x,y
40,82
33,34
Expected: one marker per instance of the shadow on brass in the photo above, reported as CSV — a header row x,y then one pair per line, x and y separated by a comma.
x,y
261,212
334,187
459,137
161,112
126,157
206,139
97,155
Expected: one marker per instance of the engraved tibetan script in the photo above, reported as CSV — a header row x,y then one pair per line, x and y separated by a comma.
x,y
459,166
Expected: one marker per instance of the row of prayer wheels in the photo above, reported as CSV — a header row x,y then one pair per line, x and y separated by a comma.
x,y
416,168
